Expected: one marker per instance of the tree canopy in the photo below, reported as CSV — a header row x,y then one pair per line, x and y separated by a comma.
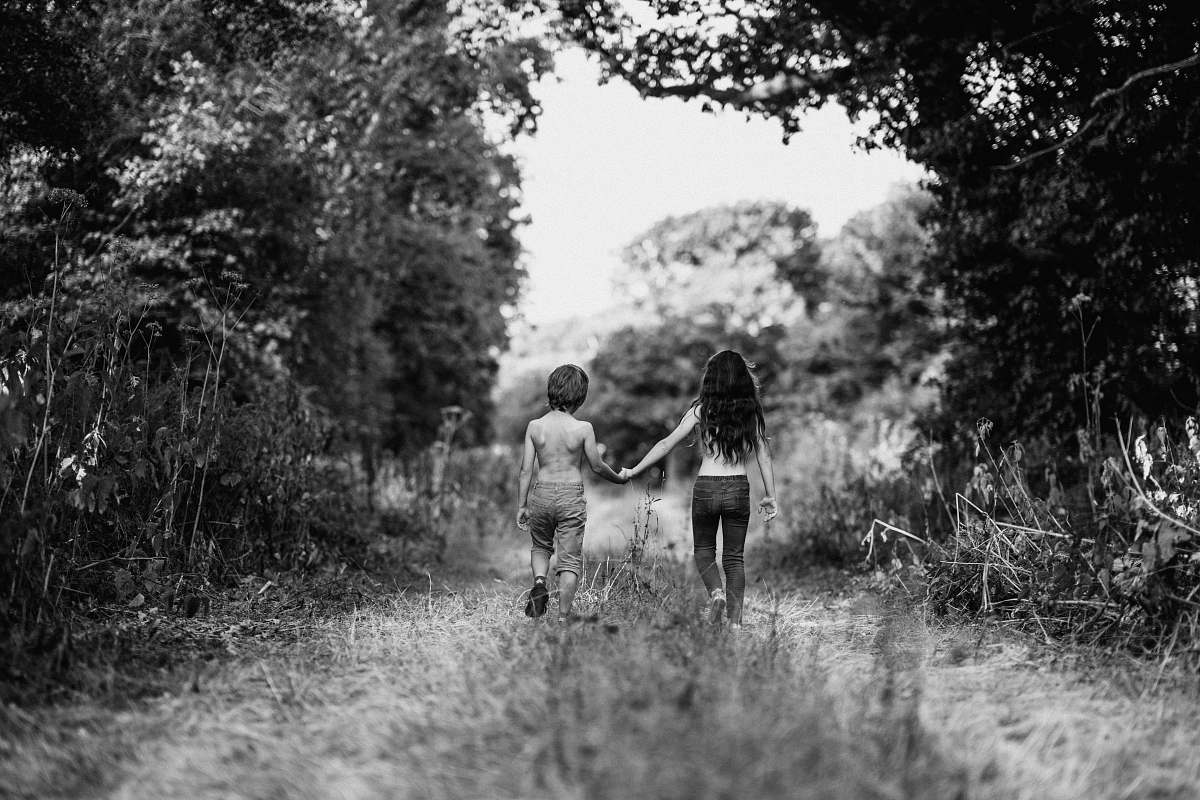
x,y
337,162
828,322
1061,139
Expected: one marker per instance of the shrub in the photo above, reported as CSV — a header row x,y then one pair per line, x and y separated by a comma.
x,y
1127,571
127,477
838,478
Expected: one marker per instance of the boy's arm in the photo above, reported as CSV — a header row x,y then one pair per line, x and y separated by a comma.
x,y
591,451
762,454
524,478
664,446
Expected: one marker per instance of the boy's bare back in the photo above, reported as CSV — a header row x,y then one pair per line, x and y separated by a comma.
x,y
561,443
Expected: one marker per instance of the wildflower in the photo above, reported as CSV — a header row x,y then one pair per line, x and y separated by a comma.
x,y
68,198
1085,444
1142,453
1193,433
1109,473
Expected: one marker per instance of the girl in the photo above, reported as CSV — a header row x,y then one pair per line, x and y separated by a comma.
x,y
729,418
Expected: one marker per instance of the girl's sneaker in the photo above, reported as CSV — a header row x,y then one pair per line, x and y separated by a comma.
x,y
538,597
716,606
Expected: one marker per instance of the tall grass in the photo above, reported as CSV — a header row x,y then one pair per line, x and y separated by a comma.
x,y
129,474
836,477
457,695
1121,568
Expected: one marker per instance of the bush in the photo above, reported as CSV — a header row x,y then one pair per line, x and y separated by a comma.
x,y
838,477
1127,571
424,497
127,478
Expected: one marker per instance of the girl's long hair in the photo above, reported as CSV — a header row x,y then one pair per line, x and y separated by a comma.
x,y
731,415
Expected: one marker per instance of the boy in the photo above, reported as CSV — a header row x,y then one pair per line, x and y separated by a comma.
x,y
554,511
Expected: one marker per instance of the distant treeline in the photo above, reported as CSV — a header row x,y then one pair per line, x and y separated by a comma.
x,y
837,325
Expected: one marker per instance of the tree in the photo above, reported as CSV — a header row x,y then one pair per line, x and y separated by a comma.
x,y
753,265
331,159
880,323
647,377
1065,159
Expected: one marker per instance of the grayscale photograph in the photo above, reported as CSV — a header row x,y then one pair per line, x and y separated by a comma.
x,y
599,399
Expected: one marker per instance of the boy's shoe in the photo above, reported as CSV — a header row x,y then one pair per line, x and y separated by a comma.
x,y
716,606
538,597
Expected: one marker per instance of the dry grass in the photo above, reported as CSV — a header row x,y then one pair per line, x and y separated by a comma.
x,y
1124,573
1022,721
450,692
456,695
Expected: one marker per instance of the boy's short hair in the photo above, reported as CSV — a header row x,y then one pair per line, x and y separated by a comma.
x,y
567,387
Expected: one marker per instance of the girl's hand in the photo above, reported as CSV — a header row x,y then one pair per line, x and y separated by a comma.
x,y
523,518
768,508
625,474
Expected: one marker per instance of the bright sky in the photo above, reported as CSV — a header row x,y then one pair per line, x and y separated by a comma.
x,y
605,165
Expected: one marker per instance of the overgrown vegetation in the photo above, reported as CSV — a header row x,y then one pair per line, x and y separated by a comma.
x,y
448,694
247,249
1123,569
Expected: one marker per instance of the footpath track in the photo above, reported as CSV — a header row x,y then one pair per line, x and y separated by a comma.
x,y
448,691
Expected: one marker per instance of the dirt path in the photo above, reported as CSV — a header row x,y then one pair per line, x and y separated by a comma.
x,y
451,693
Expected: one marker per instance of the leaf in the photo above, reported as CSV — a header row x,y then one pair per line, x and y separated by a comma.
x,y
123,581
1149,555
138,601
1169,535
30,543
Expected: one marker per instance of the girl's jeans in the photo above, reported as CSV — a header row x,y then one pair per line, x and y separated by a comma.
x,y
723,499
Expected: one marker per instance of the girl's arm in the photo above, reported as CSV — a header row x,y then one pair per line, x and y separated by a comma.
x,y
762,454
664,446
523,480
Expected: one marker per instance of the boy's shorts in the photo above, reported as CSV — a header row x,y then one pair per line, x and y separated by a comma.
x,y
557,515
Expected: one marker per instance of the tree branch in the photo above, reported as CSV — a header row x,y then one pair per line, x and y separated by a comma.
x,y
1174,66
1052,148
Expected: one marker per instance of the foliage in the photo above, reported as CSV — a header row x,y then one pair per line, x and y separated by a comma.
x,y
334,155
236,240
1126,573
645,378
426,498
861,334
750,266
120,485
876,328
1061,140
836,477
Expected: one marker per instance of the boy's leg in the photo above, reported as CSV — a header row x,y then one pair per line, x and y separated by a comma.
x,y
541,531
569,544
568,584
539,563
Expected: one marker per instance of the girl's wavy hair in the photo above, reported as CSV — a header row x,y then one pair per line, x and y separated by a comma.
x,y
729,407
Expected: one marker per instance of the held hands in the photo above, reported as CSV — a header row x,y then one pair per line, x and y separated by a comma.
x,y
626,474
768,508
523,518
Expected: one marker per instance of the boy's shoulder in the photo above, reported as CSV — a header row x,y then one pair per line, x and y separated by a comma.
x,y
569,423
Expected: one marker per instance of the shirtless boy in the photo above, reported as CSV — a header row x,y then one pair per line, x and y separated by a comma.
x,y
554,510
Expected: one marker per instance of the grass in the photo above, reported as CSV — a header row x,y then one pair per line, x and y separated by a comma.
x,y
454,694
444,689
